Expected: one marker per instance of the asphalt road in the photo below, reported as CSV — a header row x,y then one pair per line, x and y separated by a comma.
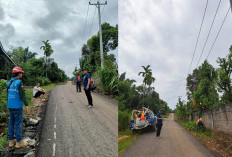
x,y
72,130
174,142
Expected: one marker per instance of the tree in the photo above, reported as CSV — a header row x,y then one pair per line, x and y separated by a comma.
x,y
192,83
224,77
180,109
148,79
206,92
47,52
85,51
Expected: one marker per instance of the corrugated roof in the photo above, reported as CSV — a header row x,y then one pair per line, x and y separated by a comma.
x,y
4,53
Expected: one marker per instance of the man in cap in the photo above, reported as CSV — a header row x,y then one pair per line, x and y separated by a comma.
x,y
159,122
15,100
87,86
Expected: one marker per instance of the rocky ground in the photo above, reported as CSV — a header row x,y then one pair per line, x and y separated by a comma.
x,y
32,127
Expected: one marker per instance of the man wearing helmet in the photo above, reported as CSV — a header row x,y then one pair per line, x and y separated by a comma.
x,y
78,81
15,100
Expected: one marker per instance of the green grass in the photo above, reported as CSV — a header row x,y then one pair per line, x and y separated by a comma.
x,y
127,142
29,95
3,141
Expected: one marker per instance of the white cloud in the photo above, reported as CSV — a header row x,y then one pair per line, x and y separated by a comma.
x,y
163,34
29,22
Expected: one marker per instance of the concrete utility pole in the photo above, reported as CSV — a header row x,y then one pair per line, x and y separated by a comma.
x,y
231,5
98,5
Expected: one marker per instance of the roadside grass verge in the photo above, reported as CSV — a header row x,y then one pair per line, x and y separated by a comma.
x,y
215,141
123,145
3,141
4,111
29,91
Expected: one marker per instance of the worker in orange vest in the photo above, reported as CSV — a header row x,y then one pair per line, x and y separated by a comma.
x,y
199,124
78,81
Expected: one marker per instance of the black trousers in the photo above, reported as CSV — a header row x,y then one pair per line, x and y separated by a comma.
x,y
89,97
38,94
159,127
78,86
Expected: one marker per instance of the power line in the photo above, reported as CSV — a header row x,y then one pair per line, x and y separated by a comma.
x,y
209,33
196,43
198,36
83,36
218,33
92,22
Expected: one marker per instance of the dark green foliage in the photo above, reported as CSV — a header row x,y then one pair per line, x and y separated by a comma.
x,y
224,77
204,85
132,96
206,91
105,79
123,120
34,68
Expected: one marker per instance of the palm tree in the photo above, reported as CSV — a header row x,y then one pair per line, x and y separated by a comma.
x,y
148,79
47,52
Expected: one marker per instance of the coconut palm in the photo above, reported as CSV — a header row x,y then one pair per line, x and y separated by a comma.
x,y
148,79
47,52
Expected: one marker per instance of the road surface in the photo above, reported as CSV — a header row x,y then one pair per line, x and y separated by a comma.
x,y
174,142
72,130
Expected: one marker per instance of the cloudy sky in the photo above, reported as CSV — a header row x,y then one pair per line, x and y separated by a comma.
x,y
163,33
28,22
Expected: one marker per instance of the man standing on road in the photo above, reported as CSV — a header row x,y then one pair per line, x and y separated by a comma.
x,y
86,82
78,81
159,123
15,100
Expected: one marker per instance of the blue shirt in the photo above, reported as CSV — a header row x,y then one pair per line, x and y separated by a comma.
x,y
159,121
85,80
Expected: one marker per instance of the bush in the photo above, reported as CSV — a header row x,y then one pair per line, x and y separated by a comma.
x,y
108,80
191,125
34,80
2,85
123,120
3,116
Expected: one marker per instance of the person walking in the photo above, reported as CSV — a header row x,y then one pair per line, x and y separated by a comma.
x,y
159,123
87,87
78,81
15,100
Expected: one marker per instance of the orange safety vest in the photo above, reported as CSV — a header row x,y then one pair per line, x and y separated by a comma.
x,y
79,78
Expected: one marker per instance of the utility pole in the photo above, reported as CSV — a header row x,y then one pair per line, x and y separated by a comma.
x,y
98,5
231,5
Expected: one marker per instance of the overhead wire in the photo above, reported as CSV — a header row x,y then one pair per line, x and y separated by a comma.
x,y
209,33
195,47
218,33
83,36
198,36
92,22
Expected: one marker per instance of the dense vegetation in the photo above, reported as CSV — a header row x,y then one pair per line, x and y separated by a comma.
x,y
132,97
106,79
43,70
207,87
